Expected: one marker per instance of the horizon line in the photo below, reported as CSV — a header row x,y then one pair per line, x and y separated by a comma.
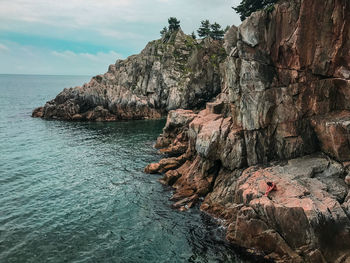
x,y
40,74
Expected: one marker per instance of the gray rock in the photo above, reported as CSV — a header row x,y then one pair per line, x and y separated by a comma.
x,y
166,75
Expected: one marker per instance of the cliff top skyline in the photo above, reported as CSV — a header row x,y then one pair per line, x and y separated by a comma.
x,y
79,37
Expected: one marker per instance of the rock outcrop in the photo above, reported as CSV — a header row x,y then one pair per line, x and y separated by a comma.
x,y
283,116
277,109
173,73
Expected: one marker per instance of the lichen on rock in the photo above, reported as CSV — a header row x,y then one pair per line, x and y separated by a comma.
x,y
282,116
270,103
173,73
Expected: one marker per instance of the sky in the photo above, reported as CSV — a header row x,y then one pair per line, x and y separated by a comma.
x,y
83,37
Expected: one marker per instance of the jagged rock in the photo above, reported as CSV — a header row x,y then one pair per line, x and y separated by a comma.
x,y
285,94
175,131
165,165
284,83
302,216
168,74
38,112
347,180
333,131
215,107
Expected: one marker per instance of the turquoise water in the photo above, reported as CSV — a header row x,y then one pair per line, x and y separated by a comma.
x,y
75,192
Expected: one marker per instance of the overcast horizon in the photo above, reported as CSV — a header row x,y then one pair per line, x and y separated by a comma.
x,y
83,37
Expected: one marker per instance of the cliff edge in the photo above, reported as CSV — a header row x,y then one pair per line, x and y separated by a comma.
x,y
282,117
179,72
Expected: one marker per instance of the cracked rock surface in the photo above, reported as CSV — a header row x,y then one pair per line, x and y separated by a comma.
x,y
173,73
270,103
283,116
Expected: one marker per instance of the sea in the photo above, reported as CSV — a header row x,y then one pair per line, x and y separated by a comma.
x,y
76,191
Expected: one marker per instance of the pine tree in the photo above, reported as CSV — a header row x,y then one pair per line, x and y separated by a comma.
x,y
193,35
247,7
164,31
204,29
174,24
216,31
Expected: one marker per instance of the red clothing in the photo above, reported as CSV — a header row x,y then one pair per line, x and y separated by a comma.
x,y
270,188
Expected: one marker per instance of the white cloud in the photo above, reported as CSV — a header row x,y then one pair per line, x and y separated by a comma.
x,y
124,26
97,14
68,13
32,60
99,56
65,54
118,34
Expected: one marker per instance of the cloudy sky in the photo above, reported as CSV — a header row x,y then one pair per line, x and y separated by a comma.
x,y
82,37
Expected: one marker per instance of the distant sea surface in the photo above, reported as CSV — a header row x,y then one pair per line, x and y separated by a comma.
x,y
76,192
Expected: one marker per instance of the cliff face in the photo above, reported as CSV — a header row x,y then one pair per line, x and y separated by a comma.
x,y
168,74
282,116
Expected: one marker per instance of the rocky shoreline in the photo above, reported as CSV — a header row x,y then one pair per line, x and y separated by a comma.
x,y
270,103
179,72
305,220
283,117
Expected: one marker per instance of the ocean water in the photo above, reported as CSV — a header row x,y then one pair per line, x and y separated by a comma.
x,y
76,192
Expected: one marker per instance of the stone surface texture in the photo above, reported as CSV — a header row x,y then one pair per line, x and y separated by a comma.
x,y
283,116
173,73
270,103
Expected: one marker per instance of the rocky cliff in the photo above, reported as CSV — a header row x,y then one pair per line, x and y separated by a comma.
x,y
173,73
283,116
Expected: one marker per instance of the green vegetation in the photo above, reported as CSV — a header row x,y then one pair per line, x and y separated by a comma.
x,y
216,31
164,31
247,7
210,30
217,58
174,25
190,42
193,35
204,29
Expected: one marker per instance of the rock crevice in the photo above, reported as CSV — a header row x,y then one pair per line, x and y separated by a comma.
x,y
270,103
179,72
283,116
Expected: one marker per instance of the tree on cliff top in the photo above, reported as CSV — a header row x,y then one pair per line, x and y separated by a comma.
x,y
216,31
210,30
164,31
193,35
247,7
174,24
204,29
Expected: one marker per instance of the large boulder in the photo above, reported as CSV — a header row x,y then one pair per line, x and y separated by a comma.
x,y
302,217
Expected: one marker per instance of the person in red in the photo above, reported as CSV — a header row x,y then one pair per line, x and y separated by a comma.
x,y
271,186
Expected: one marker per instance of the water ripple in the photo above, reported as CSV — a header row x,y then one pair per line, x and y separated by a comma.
x,y
75,192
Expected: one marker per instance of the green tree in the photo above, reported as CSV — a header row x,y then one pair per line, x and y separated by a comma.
x,y
174,24
193,35
247,7
227,28
216,32
164,31
204,29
